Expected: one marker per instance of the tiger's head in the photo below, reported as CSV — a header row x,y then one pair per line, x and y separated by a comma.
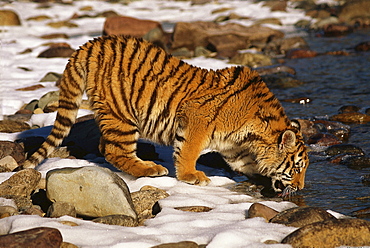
x,y
288,174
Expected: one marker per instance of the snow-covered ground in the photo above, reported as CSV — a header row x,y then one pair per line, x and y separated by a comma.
x,y
226,225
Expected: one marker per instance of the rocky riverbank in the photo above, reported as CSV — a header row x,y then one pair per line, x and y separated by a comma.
x,y
262,46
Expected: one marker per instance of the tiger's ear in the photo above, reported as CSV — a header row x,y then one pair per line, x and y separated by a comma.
x,y
287,140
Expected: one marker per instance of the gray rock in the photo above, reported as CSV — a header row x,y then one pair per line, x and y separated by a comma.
x,y
301,216
58,209
330,234
94,191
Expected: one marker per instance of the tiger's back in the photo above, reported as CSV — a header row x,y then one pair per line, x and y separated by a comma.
x,y
137,90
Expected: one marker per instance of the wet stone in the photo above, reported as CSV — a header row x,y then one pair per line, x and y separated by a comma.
x,y
349,109
352,117
331,233
344,149
41,237
362,213
366,179
301,216
356,162
324,139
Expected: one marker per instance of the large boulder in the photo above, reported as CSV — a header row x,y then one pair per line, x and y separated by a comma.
x,y
331,233
93,191
124,25
221,38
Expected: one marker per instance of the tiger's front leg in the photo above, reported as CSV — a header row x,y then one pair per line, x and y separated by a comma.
x,y
118,144
188,145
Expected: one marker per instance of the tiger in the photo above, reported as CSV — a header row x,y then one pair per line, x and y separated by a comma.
x,y
137,90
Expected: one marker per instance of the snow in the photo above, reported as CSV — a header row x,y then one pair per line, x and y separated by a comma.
x,y
225,225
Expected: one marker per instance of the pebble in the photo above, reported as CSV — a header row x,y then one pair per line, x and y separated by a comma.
x,y
93,191
331,233
301,216
41,237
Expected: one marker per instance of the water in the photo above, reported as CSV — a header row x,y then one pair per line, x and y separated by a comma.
x,y
332,82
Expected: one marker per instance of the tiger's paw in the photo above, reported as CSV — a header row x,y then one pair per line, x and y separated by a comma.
x,y
196,178
147,169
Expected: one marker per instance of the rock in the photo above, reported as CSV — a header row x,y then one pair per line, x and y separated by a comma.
x,y
217,38
31,88
363,46
301,100
9,148
362,213
9,126
195,209
281,80
275,69
8,164
331,233
308,128
6,211
335,30
292,43
300,53
301,216
324,139
182,244
48,98
353,117
272,20
58,209
118,220
349,109
51,77
276,5
366,179
41,237
251,60
355,12
21,183
344,149
9,18
94,191
68,245
321,24
260,210
61,24
124,25
34,210
22,203
38,18
145,199
57,52
356,162
54,36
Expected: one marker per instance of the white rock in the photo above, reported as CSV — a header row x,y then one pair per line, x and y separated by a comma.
x,y
94,191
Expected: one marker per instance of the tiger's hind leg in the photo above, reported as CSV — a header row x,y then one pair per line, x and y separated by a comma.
x,y
119,143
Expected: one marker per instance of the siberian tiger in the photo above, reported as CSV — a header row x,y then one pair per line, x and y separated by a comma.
x,y
138,91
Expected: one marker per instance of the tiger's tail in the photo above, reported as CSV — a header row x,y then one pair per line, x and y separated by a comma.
x,y
72,87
